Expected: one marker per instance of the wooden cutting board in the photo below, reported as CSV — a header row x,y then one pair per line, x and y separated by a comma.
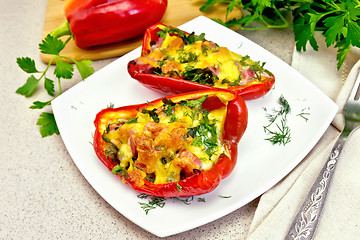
x,y
177,13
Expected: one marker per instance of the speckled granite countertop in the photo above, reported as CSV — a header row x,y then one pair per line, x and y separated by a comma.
x,y
43,194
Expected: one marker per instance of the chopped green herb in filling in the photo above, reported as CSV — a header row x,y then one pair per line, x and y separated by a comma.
x,y
168,143
195,59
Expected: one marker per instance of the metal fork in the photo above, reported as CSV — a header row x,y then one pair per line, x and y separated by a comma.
x,y
305,223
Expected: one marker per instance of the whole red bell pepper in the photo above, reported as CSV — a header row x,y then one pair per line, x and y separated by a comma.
x,y
197,182
255,80
100,22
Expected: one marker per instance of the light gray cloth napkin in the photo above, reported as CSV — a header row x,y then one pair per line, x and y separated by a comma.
x,y
341,215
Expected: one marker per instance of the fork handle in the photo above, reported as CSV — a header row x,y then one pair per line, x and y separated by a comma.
x,y
305,223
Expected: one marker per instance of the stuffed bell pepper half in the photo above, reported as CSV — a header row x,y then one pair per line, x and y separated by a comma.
x,y
174,61
177,146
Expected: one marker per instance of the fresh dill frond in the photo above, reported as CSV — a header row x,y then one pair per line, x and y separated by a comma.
x,y
153,202
186,201
286,109
281,134
304,114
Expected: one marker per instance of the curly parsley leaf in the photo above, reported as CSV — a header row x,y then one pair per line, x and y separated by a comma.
x,y
47,124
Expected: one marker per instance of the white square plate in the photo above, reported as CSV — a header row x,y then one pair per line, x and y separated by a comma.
x,y
260,164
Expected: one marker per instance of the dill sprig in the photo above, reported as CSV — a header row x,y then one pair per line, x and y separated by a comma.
x,y
153,202
304,114
186,201
281,134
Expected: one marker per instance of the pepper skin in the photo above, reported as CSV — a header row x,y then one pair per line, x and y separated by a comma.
x,y
200,182
100,22
174,85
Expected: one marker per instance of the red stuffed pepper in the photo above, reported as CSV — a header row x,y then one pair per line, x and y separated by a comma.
x,y
177,146
174,61
99,22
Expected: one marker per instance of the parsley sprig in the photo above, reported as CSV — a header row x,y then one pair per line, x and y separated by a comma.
x,y
63,70
338,20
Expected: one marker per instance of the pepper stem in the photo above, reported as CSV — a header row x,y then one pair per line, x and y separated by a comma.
x,y
62,30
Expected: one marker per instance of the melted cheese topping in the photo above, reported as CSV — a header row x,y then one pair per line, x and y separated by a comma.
x,y
169,150
203,59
